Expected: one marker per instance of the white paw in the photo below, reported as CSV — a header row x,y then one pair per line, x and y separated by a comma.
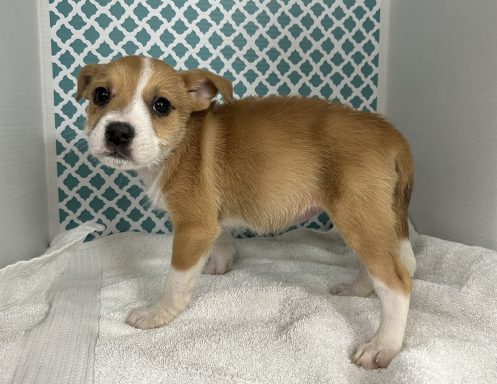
x,y
153,316
350,290
374,355
219,263
342,290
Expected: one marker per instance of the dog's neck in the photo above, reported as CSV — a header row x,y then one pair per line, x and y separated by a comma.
x,y
151,178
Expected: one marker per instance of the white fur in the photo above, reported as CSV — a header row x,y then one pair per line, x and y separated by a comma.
x,y
175,298
407,256
387,341
222,256
151,179
145,147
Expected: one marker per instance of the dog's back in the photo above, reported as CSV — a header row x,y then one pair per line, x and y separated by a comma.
x,y
280,156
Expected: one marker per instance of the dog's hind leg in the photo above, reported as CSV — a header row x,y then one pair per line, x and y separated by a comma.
x,y
366,221
361,286
221,258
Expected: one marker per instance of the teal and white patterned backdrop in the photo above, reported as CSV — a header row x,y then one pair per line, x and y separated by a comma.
x,y
320,48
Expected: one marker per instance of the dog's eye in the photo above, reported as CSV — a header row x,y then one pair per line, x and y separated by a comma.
x,y
162,106
101,96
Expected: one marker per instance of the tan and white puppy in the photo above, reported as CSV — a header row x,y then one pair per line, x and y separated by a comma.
x,y
260,163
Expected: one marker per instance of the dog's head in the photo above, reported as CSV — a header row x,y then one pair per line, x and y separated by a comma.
x,y
138,108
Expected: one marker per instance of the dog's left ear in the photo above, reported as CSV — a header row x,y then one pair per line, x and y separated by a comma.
x,y
203,85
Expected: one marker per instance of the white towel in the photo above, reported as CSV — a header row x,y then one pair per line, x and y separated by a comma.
x,y
270,319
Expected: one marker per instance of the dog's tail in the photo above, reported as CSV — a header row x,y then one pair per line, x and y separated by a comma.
x,y
402,195
404,167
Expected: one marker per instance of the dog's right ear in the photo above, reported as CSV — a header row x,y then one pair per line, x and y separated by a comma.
x,y
84,77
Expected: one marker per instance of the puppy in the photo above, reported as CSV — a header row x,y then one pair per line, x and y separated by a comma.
x,y
259,163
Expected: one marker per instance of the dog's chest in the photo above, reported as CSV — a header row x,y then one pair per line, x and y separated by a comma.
x,y
151,179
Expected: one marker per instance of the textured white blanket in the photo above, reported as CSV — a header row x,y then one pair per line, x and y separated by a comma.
x,y
269,320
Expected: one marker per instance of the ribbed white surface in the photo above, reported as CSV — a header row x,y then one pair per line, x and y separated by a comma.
x,y
61,348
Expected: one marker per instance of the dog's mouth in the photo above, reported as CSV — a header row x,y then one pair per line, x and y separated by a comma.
x,y
117,153
117,159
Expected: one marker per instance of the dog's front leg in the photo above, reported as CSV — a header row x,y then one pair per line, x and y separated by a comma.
x,y
191,247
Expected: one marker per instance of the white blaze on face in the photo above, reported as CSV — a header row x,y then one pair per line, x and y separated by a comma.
x,y
145,146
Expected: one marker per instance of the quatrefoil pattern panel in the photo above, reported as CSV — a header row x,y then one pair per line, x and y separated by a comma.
x,y
319,48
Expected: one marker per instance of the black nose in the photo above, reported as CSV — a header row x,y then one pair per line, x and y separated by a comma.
x,y
119,134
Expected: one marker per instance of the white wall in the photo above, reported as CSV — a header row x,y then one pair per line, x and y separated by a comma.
x,y
442,93
23,199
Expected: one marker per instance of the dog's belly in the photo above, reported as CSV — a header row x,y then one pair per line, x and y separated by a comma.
x,y
266,222
306,215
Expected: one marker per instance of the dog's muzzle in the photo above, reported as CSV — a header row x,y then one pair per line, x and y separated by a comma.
x,y
118,138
